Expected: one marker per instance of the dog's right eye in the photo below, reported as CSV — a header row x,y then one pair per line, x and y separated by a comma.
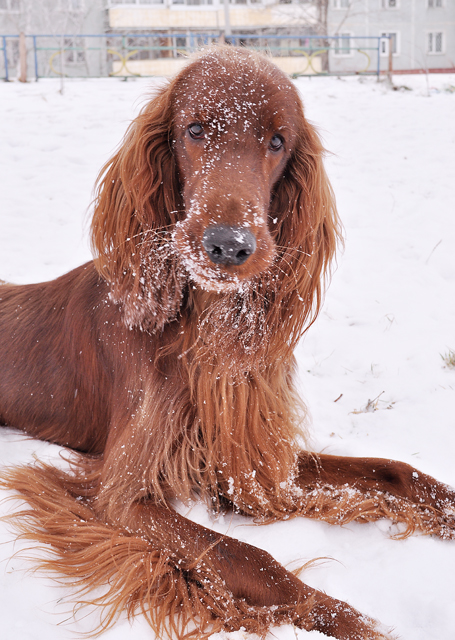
x,y
196,131
276,143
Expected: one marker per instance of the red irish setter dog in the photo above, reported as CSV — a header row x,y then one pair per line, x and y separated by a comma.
x,y
167,366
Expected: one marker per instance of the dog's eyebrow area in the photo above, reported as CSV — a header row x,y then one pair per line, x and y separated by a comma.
x,y
249,102
214,126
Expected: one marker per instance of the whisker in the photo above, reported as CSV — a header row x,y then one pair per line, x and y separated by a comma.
x,y
294,249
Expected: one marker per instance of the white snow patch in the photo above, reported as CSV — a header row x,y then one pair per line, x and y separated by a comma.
x,y
388,315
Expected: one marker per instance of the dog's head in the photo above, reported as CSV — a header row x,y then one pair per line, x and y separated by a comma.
x,y
219,186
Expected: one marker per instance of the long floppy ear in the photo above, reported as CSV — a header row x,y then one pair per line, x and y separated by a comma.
x,y
307,231
137,199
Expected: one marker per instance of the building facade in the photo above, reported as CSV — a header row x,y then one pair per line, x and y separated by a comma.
x,y
273,25
422,32
151,37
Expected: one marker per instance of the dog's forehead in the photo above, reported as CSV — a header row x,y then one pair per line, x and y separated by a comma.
x,y
236,92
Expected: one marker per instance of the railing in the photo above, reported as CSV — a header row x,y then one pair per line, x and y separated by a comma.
x,y
125,55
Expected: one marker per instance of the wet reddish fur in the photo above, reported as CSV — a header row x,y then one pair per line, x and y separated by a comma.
x,y
168,375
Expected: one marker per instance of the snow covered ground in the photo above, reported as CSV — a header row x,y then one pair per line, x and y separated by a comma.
x,y
388,317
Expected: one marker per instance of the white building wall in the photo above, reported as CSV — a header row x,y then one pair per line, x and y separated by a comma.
x,y
425,30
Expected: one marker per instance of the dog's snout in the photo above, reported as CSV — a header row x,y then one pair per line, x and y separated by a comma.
x,y
228,245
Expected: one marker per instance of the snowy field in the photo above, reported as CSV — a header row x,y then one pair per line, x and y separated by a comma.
x,y
388,317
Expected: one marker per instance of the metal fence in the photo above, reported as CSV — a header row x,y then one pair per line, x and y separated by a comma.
x,y
126,55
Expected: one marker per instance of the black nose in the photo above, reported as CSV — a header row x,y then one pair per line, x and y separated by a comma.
x,y
228,245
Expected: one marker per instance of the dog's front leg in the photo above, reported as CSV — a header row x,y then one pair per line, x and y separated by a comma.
x,y
373,488
243,585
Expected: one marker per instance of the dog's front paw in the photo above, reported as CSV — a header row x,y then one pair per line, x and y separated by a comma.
x,y
337,619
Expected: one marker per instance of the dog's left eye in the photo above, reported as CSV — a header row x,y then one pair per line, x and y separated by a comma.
x,y
276,142
196,131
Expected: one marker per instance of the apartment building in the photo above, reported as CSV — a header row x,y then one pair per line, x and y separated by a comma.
x,y
422,32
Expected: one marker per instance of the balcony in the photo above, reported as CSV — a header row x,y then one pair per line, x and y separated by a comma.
x,y
206,14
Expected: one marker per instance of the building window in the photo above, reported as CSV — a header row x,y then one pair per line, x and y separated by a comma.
x,y
10,5
341,4
76,6
12,48
386,42
433,4
435,42
73,6
342,45
74,50
390,4
111,3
